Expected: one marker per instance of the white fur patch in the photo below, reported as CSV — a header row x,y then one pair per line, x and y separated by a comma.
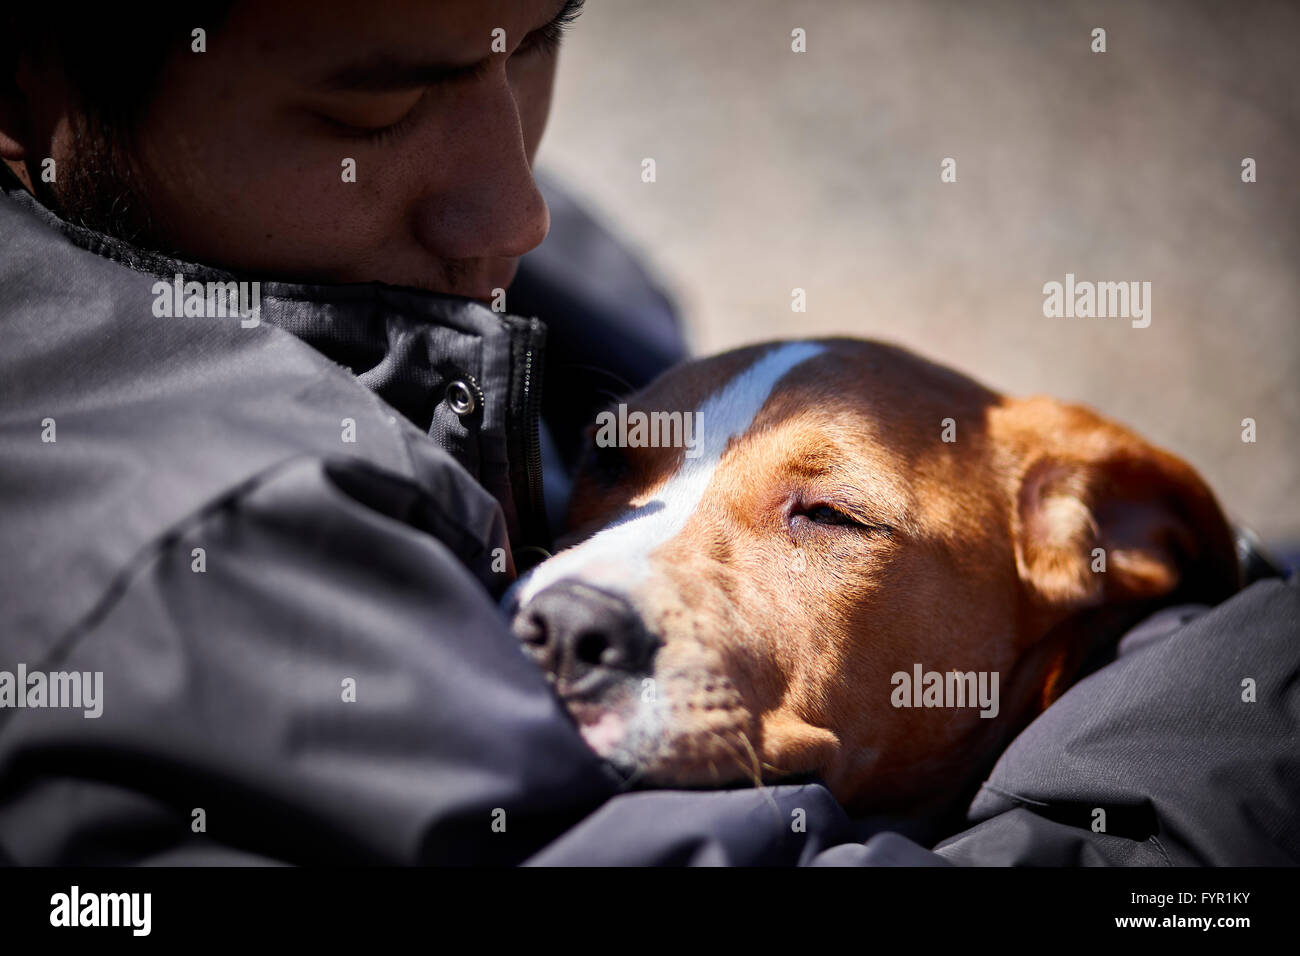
x,y
618,555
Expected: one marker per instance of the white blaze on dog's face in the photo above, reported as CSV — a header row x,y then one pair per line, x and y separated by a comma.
x,y
738,613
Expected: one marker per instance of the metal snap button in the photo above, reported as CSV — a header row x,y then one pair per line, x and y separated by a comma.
x,y
460,397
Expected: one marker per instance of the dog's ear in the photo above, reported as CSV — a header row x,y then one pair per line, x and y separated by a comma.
x,y
1104,517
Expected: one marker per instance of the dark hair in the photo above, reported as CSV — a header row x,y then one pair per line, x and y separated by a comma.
x,y
111,57
112,60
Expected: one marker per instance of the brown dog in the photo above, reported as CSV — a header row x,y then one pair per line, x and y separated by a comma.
x,y
854,564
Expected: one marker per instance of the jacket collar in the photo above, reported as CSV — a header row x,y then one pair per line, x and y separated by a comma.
x,y
419,351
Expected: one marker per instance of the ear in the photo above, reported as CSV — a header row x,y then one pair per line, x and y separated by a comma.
x,y
15,130
15,75
1104,517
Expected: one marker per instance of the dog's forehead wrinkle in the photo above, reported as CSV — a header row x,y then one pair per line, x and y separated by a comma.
x,y
619,554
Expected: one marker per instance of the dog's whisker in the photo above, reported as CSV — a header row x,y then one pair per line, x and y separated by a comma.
x,y
749,768
525,549
755,768
758,774
732,752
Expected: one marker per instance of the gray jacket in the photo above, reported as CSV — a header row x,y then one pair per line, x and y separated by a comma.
x,y
280,544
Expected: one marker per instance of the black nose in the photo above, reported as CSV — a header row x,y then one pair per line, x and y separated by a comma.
x,y
583,636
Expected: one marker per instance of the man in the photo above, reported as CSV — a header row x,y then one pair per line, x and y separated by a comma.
x,y
270,449
280,573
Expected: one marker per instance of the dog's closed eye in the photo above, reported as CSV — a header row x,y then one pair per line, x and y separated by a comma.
x,y
832,516
825,514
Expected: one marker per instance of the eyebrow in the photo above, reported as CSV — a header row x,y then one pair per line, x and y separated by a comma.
x,y
383,72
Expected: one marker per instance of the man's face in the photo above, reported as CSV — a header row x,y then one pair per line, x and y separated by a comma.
x,y
241,154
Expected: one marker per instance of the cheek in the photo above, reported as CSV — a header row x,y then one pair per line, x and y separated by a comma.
x,y
851,613
918,611
283,199
235,178
231,197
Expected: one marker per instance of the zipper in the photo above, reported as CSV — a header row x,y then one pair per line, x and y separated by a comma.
x,y
526,453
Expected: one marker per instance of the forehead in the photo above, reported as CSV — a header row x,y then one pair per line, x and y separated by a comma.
x,y
295,37
814,407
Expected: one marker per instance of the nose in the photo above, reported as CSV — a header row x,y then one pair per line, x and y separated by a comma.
x,y
487,204
584,637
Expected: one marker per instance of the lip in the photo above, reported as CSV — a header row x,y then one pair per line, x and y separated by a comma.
x,y
604,734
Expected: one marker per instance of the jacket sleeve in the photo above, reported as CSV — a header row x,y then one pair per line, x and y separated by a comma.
x,y
1185,750
312,669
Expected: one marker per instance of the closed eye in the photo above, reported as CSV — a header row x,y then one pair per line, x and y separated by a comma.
x,y
831,516
377,117
825,514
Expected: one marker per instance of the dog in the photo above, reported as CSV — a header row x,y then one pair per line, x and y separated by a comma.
x,y
853,522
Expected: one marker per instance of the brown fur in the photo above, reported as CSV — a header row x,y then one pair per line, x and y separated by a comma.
x,y
773,672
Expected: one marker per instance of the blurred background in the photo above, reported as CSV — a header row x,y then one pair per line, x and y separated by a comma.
x,y
821,170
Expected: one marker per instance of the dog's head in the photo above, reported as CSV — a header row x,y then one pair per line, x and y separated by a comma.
x,y
827,517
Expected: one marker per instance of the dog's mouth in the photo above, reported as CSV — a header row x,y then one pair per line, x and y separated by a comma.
x,y
603,729
664,713
673,730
